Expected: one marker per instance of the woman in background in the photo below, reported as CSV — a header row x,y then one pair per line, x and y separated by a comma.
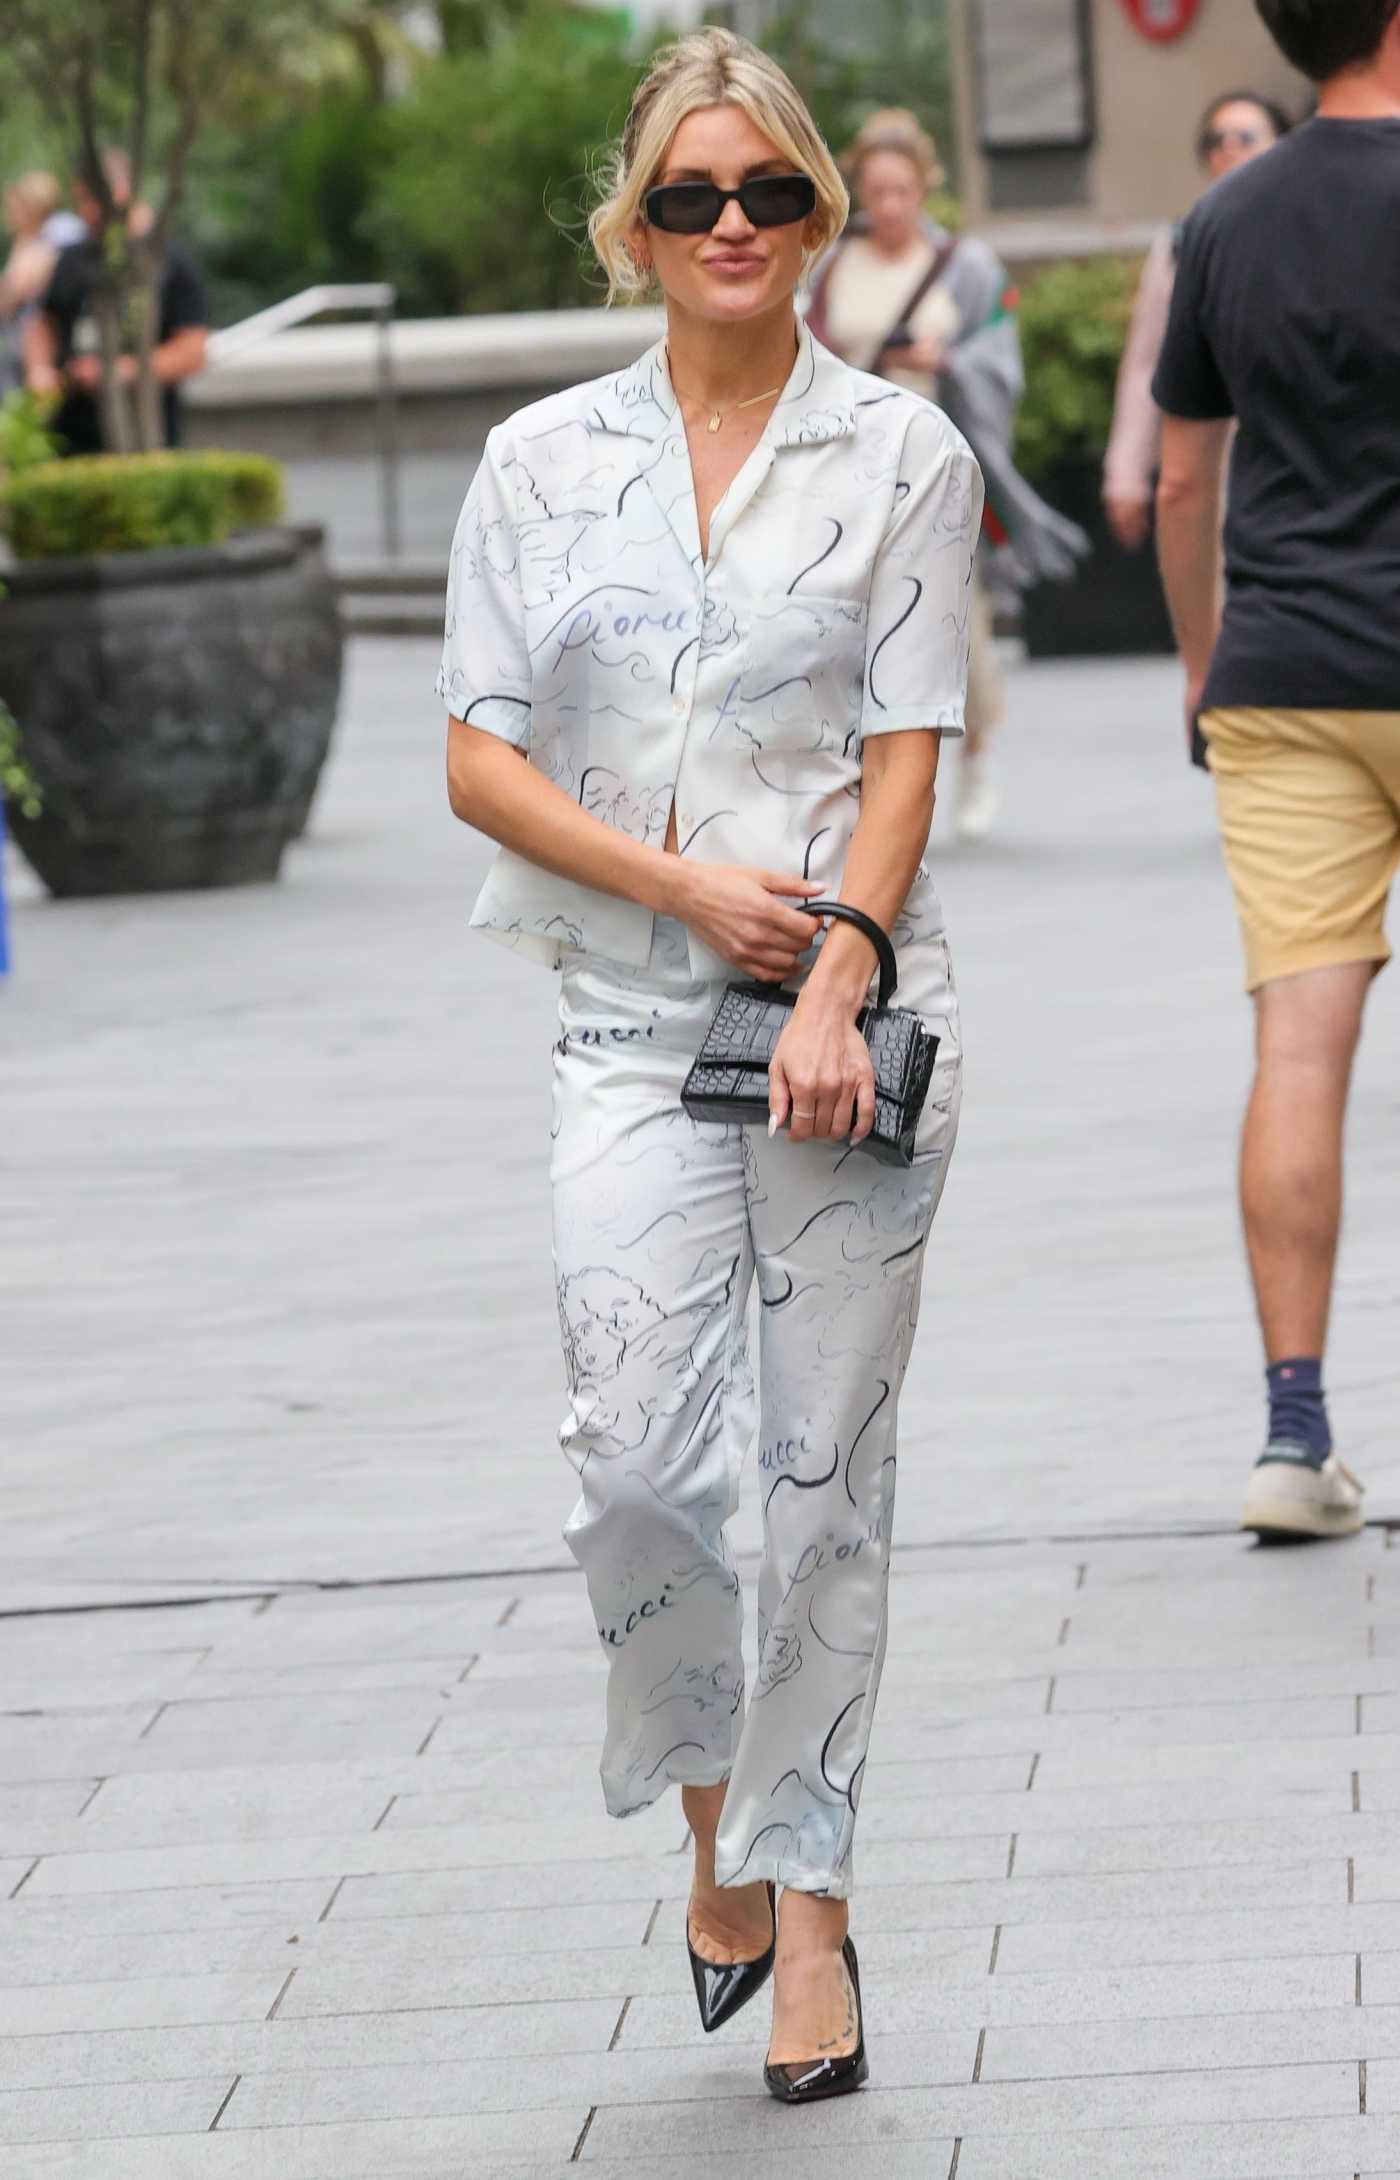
x,y
1234,129
38,229
932,311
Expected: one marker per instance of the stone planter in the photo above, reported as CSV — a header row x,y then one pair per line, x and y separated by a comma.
x,y
175,708
1115,602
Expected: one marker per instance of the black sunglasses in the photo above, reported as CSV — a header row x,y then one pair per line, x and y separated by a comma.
x,y
1227,139
766,200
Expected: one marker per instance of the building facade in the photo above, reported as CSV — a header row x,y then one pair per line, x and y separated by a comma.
x,y
1077,119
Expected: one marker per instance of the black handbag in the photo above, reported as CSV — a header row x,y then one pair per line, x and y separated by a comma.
x,y
728,1079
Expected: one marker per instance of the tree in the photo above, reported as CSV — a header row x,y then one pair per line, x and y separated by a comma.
x,y
142,77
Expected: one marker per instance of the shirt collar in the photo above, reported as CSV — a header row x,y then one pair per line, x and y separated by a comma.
x,y
816,404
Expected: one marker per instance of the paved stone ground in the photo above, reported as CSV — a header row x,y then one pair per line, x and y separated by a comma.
x,y
302,1873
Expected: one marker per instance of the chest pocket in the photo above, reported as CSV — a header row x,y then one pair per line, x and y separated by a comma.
x,y
803,671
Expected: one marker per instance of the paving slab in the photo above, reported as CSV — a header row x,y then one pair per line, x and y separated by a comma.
x,y
422,2149
113,2110
1161,2045
232,1862
1225,1935
1127,2103
1294,2149
49,2009
909,2004
305,2044
104,1917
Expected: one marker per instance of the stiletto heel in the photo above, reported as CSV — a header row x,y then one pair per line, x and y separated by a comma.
x,y
802,2081
722,1987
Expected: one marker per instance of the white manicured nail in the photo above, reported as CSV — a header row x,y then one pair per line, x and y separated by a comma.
x,y
772,1125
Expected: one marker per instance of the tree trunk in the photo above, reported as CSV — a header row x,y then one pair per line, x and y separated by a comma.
x,y
150,410
118,431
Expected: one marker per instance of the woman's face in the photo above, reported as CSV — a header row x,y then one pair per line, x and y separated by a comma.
x,y
737,270
1236,133
890,191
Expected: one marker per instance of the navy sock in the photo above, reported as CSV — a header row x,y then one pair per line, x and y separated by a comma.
x,y
1298,1407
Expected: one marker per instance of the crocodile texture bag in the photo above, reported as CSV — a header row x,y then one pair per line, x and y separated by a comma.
x,y
728,1079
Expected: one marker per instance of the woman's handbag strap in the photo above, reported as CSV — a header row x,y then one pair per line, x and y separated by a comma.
x,y
844,913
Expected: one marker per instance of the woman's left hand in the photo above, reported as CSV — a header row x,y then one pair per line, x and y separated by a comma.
x,y
821,1074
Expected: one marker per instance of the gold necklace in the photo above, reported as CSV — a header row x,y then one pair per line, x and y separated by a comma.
x,y
718,416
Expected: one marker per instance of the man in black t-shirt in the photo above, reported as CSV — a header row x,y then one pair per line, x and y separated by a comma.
x,y
61,342
1286,317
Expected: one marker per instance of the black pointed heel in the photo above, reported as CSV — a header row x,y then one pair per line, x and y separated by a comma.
x,y
721,1988
803,2081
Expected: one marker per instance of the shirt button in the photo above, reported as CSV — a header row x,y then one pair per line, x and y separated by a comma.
x,y
678,706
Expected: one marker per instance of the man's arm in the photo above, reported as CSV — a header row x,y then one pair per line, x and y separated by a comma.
x,y
1189,497
1134,442
182,355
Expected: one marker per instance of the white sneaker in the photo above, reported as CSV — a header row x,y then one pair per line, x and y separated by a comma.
x,y
979,798
1289,1497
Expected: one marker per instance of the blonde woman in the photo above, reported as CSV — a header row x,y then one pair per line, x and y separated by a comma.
x,y
38,227
707,623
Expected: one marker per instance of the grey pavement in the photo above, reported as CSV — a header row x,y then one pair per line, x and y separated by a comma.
x,y
303,1874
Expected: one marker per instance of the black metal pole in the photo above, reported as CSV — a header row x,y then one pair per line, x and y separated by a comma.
x,y
386,407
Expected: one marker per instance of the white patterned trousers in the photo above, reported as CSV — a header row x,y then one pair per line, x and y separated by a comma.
x,y
661,1226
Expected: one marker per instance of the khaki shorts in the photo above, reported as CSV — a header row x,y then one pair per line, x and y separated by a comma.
x,y
1309,805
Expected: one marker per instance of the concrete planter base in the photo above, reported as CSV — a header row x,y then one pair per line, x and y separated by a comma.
x,y
176,709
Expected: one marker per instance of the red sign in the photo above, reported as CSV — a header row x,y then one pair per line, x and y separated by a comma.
x,y
1162,19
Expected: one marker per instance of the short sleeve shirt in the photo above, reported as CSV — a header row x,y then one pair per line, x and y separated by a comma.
x,y
68,307
586,627
1286,315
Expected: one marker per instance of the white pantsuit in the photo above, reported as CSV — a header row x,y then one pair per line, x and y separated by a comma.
x,y
586,627
661,1225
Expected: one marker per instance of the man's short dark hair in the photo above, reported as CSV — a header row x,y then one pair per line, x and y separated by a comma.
x,y
1279,121
1322,37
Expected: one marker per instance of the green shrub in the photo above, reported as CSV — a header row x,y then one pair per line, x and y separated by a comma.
x,y
129,503
484,196
24,439
282,206
847,61
1074,320
16,781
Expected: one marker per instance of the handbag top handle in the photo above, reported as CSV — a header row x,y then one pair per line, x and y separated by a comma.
x,y
844,913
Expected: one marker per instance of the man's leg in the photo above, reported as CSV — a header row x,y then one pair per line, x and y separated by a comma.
x,y
1306,1030
1309,806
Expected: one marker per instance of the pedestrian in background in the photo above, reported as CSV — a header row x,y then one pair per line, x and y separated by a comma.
x,y
1285,317
720,603
61,343
38,227
933,312
1234,129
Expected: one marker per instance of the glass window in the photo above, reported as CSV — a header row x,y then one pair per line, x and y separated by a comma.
x,y
1032,74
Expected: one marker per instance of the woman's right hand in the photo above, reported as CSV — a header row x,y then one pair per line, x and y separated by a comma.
x,y
741,915
1128,518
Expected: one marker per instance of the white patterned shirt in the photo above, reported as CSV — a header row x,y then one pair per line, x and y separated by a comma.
x,y
586,627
